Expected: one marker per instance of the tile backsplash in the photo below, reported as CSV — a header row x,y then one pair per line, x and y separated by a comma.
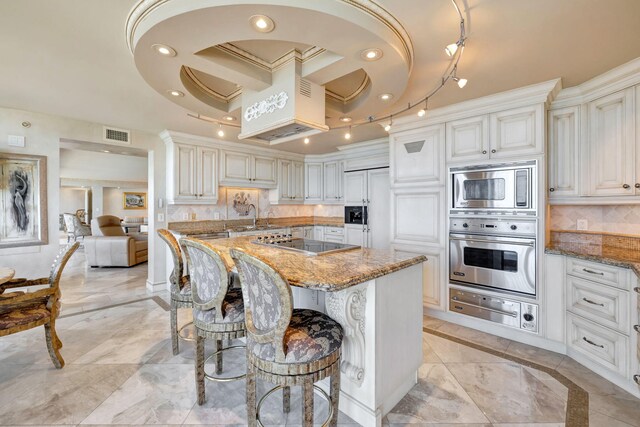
x,y
623,219
187,212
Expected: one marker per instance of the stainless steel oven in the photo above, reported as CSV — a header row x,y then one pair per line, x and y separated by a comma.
x,y
508,187
495,254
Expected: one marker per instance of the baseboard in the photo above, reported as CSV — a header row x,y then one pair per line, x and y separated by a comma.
x,y
156,286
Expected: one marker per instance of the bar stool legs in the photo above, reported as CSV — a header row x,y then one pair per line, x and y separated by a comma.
x,y
286,399
200,369
252,414
334,390
307,402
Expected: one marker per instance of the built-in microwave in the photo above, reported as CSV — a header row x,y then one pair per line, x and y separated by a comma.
x,y
355,215
507,186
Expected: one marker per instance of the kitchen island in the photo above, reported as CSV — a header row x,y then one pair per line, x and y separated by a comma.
x,y
376,296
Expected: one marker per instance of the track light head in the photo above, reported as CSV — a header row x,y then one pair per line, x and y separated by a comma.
x,y
451,49
461,82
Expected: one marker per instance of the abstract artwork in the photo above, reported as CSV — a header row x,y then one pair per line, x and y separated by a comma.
x,y
241,203
23,219
134,200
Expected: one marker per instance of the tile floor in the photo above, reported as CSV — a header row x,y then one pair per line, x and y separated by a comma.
x,y
120,370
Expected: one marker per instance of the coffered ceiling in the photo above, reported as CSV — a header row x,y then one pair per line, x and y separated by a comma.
x,y
71,57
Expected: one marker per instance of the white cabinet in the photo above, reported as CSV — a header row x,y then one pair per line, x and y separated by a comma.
x,y
516,132
355,234
250,170
318,232
290,183
355,188
433,275
313,182
417,157
332,182
417,216
468,139
612,145
334,234
193,177
563,152
370,189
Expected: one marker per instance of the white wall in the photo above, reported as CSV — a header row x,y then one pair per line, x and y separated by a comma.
x,y
71,199
96,166
42,138
112,204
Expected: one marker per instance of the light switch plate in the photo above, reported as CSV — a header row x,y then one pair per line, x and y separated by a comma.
x,y
582,224
15,141
216,215
160,217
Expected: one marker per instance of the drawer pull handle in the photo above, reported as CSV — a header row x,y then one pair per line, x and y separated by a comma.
x,y
591,302
637,328
593,272
592,343
637,289
636,378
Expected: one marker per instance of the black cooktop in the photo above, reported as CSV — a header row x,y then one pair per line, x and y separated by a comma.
x,y
306,246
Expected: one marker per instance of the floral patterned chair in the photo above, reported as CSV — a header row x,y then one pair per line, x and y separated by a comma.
x,y
75,228
218,309
180,288
20,311
286,346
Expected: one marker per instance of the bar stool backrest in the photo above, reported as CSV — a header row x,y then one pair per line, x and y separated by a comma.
x,y
208,275
268,302
178,264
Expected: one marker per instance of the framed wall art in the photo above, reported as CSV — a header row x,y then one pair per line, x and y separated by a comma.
x,y
23,198
134,200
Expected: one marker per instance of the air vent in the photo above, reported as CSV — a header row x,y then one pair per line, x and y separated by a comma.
x,y
305,88
283,132
414,147
120,136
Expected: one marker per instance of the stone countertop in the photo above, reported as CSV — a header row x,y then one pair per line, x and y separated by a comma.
x,y
330,272
611,255
212,226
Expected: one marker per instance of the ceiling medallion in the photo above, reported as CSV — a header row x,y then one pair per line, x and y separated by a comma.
x,y
269,105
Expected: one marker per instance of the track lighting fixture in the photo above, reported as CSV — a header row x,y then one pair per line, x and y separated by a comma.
x,y
461,82
388,126
423,111
347,135
451,49
306,140
220,130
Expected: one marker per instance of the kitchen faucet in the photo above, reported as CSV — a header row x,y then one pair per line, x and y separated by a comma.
x,y
255,214
269,214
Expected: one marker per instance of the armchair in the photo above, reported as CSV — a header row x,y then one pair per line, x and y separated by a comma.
x,y
21,311
109,246
74,227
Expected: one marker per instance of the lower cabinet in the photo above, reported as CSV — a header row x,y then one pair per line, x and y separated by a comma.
x,y
334,234
433,274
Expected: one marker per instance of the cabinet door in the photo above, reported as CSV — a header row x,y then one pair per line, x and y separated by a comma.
x,y
331,184
184,172
355,235
236,166
515,132
468,139
264,170
285,172
417,157
313,182
355,187
612,145
433,286
318,233
417,216
207,174
378,201
563,154
296,184
298,232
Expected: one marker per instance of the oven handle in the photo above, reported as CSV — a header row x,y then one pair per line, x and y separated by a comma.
x,y
502,242
506,313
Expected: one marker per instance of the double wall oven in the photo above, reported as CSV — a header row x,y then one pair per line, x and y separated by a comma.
x,y
493,243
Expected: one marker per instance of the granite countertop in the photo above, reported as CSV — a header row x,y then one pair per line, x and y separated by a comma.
x,y
212,226
615,250
330,272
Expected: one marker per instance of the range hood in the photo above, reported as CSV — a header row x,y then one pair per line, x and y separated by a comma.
x,y
291,108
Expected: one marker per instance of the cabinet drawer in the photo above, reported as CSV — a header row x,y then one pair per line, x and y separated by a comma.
x,y
603,304
602,345
336,231
598,272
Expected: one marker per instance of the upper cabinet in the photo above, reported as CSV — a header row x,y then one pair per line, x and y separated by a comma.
x,y
333,182
194,178
290,183
313,182
563,152
468,139
248,170
417,157
323,182
516,132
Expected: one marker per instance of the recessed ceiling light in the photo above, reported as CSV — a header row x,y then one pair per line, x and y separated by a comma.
x,y
106,151
371,54
175,93
345,119
262,23
385,96
164,50
229,118
306,140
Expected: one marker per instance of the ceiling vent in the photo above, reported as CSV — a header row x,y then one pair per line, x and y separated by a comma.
x,y
120,136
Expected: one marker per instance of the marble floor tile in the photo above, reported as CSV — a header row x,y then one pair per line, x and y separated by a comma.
x,y
44,395
556,386
155,394
620,406
437,398
591,382
432,322
490,341
451,352
507,393
597,419
129,347
428,354
537,355
530,425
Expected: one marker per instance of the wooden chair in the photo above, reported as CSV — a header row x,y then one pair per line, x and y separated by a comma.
x,y
20,311
180,288
286,346
218,309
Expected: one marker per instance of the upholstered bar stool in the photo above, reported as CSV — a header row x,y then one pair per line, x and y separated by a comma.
x,y
286,346
218,309
180,289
